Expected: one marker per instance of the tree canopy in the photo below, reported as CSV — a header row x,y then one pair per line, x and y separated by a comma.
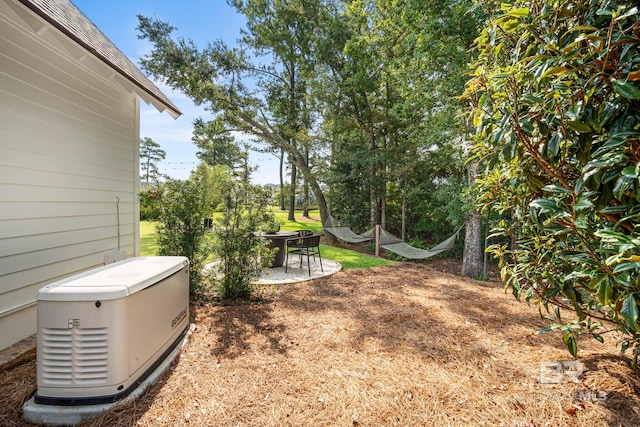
x,y
361,96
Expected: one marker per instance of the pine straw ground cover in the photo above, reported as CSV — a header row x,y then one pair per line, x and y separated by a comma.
x,y
402,345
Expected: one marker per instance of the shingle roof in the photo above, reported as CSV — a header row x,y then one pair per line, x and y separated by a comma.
x,y
64,16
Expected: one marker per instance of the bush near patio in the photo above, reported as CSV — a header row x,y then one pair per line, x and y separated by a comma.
x,y
181,230
557,113
241,254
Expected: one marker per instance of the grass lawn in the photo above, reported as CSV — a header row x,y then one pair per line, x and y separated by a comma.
x,y
148,245
301,223
347,258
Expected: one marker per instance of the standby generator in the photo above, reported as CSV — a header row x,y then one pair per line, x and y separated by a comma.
x,y
102,332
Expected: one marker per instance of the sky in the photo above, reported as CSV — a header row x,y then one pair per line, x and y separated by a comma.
x,y
199,20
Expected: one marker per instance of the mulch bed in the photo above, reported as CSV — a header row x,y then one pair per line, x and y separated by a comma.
x,y
402,345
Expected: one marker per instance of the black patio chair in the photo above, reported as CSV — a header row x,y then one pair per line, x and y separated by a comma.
x,y
304,233
296,242
308,246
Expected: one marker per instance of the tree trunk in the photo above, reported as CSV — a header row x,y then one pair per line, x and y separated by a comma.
x,y
385,145
305,212
305,209
310,178
373,198
292,193
383,207
282,195
373,201
404,210
472,258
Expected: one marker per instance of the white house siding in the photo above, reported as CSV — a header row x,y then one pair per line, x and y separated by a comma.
x,y
68,150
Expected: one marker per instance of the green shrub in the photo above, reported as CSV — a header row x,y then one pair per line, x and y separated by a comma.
x,y
242,255
181,230
149,204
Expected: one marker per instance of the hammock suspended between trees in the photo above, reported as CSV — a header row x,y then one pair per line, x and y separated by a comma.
x,y
389,241
344,233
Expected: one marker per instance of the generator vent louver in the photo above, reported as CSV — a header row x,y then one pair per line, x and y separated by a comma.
x,y
75,356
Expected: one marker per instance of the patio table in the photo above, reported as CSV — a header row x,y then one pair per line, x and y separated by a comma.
x,y
278,240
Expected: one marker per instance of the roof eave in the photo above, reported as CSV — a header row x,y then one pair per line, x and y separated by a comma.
x,y
173,111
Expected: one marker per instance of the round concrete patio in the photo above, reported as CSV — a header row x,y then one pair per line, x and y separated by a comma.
x,y
296,273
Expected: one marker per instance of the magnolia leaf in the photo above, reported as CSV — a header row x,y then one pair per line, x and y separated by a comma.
x,y
573,112
553,144
605,292
629,312
499,76
625,346
613,142
627,89
482,101
579,187
519,12
510,25
477,118
570,342
633,76
545,205
555,71
509,149
595,282
569,292
531,98
584,147
623,184
631,171
628,13
613,236
534,182
526,125
547,329
528,295
626,266
583,203
617,208
553,188
604,12
579,126
605,197
582,28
